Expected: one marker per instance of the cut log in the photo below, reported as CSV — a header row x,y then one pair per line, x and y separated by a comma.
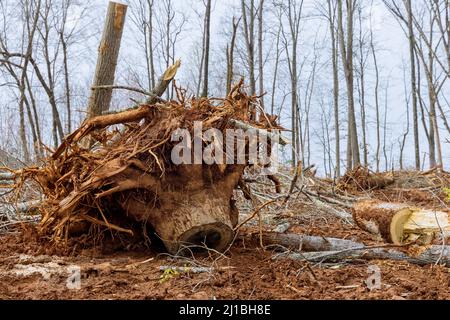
x,y
400,223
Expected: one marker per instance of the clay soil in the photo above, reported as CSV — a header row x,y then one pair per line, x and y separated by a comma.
x,y
29,269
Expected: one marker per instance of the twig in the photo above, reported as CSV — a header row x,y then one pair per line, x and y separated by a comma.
x,y
123,88
193,269
255,213
298,171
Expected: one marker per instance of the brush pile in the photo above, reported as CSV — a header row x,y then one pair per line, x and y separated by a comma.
x,y
362,179
128,176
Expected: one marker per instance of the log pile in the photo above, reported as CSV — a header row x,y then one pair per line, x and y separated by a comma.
x,y
129,175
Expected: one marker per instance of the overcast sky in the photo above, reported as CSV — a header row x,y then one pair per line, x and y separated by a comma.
x,y
390,41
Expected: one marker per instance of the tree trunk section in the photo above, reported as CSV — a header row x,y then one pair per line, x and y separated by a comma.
x,y
108,53
206,48
400,223
192,213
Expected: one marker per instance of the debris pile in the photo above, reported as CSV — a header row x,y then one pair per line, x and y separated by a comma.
x,y
128,175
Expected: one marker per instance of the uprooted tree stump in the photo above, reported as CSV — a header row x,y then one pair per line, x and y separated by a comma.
x,y
193,207
400,223
129,176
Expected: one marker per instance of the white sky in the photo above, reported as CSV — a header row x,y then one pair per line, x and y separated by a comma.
x,y
389,38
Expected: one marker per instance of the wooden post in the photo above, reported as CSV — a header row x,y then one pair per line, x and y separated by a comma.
x,y
108,53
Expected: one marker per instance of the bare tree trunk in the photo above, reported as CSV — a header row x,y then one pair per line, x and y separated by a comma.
x,y
230,56
347,61
308,97
385,126
36,119
44,31
362,93
349,145
108,53
260,52
275,72
32,128
249,25
421,102
413,85
405,135
294,15
206,48
294,107
66,83
334,55
202,62
22,84
150,58
377,105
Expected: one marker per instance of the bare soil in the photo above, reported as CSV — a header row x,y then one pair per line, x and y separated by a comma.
x,y
31,269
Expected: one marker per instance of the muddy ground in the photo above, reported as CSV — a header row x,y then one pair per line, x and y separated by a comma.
x,y
30,269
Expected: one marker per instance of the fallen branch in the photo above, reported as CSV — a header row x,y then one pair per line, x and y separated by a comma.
x,y
331,210
273,136
327,199
430,256
17,212
298,171
321,249
7,176
122,88
193,269
308,243
20,207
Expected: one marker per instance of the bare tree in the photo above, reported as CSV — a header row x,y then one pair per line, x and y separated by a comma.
x,y
142,17
402,141
206,47
260,51
346,45
293,12
249,13
278,52
31,12
230,54
363,56
413,84
334,58
377,104
431,62
171,24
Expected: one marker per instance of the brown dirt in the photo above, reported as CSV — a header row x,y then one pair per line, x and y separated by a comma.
x,y
245,272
